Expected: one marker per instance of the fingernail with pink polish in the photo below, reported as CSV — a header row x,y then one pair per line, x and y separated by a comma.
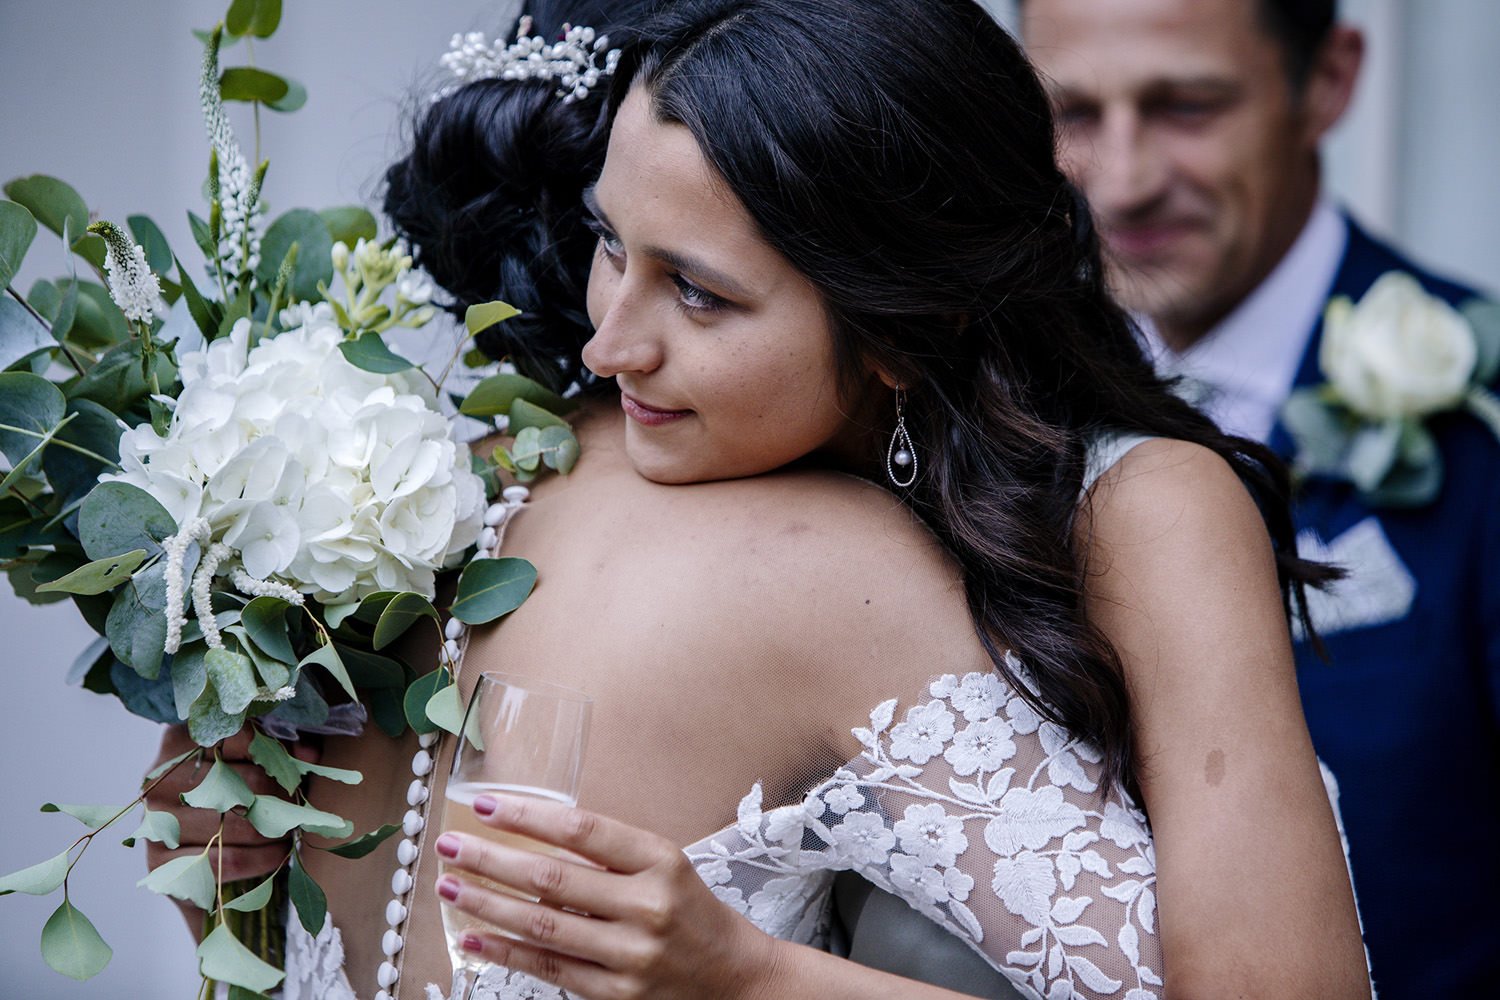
x,y
471,942
447,845
485,805
447,887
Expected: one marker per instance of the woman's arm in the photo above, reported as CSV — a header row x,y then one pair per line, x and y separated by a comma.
x,y
1253,887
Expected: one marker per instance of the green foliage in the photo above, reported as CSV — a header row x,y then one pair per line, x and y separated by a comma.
x,y
403,611
137,622
491,588
274,759
493,396
222,958
98,322
205,314
1483,317
314,253
93,817
149,235
72,946
118,383
246,83
221,790
21,336
161,827
190,878
189,676
419,694
253,899
39,879
446,709
478,318
253,17
208,723
524,414
94,430
348,224
369,352
17,230
98,576
363,845
265,620
275,818
295,97
233,678
52,202
30,407
307,897
117,518
327,657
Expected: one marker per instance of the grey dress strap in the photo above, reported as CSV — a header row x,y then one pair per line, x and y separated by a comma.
x,y
879,930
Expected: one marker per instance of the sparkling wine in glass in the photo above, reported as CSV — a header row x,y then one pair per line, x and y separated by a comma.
x,y
520,737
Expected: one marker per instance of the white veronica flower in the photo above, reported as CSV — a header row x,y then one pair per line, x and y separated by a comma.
x,y
132,285
333,480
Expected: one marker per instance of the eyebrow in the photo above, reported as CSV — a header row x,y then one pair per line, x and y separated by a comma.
x,y
1214,86
672,258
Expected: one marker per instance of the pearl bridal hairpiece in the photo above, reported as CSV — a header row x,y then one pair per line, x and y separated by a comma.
x,y
572,62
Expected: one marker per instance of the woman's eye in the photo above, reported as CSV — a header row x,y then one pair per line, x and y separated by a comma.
x,y
694,298
608,241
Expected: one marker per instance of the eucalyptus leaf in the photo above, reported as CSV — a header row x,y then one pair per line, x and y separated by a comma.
x,y
93,817
526,450
30,407
137,621
524,414
275,818
1483,317
222,958
98,322
167,765
205,314
88,660
559,448
17,230
370,353
348,224
116,381
340,774
189,677
491,588
480,317
161,827
149,235
418,694
150,699
92,428
294,98
446,709
52,202
327,657
221,790
274,759
233,678
404,611
117,518
22,338
308,898
306,710
190,878
91,248
363,845
39,879
273,674
98,576
72,946
254,899
1409,486
1483,404
494,395
388,709
265,619
208,723
314,253
370,670
66,313
247,83
1372,453
334,614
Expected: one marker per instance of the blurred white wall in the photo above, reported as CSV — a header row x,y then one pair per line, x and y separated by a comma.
x,y
103,95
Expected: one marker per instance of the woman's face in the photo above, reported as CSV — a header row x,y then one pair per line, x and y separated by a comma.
x,y
722,350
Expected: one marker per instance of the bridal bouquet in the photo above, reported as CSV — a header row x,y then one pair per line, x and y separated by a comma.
x,y
249,495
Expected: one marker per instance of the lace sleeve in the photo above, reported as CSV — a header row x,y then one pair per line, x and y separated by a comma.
x,y
986,820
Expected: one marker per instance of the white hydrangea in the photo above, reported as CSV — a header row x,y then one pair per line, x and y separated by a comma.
x,y
333,480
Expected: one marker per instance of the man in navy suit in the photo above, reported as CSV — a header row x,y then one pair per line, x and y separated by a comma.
x,y
1193,126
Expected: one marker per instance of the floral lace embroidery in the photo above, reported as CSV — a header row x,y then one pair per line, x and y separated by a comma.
x,y
315,966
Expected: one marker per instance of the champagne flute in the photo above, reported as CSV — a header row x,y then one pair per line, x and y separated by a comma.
x,y
520,737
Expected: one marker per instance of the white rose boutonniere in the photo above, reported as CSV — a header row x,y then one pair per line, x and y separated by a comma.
x,y
1394,359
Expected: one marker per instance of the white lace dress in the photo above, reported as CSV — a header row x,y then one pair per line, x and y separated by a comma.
x,y
963,803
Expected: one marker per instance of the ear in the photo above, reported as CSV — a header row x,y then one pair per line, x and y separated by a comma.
x,y
1331,79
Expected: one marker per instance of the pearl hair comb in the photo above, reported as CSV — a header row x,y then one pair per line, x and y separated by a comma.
x,y
573,62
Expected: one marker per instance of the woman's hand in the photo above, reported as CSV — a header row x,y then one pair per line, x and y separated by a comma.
x,y
245,853
626,917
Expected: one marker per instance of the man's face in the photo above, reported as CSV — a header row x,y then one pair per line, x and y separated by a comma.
x,y
1178,121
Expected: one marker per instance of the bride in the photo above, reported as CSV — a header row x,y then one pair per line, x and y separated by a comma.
x,y
887,555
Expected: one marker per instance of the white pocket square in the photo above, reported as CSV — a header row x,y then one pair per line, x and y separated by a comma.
x,y
1379,588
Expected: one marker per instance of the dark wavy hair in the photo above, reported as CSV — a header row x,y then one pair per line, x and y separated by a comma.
x,y
900,154
489,197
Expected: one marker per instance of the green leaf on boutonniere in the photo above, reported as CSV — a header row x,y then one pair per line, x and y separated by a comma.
x,y
190,878
275,818
93,817
491,588
493,396
370,353
17,230
1483,317
254,899
1483,404
308,897
72,946
361,846
221,790
403,611
296,97
161,827
39,879
222,958
117,518
1372,452
98,576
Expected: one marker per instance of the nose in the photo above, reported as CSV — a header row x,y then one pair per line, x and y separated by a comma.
x,y
1130,171
625,339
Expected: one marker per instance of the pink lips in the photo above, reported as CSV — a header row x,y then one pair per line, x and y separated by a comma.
x,y
1145,242
649,416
